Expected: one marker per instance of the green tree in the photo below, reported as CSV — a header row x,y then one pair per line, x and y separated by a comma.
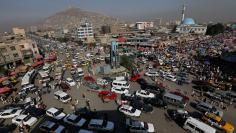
x,y
126,62
215,29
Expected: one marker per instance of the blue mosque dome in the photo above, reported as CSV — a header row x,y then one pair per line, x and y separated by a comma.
x,y
188,21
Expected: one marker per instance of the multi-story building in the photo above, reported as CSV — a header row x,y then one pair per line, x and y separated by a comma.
x,y
16,49
144,25
18,31
85,30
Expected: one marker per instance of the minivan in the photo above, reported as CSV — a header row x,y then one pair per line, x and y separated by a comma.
x,y
206,107
174,99
193,125
122,84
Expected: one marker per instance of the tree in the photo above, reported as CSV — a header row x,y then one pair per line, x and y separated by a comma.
x,y
126,62
215,29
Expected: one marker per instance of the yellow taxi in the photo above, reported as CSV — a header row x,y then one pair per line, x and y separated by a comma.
x,y
217,122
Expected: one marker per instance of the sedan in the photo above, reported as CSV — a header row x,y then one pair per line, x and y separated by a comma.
x,y
129,110
152,74
107,95
70,81
25,120
144,94
10,113
119,90
74,120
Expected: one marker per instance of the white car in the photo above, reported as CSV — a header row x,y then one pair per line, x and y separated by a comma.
x,y
170,77
101,125
144,94
102,82
55,113
152,74
10,113
62,96
136,126
74,120
119,90
70,81
51,127
25,120
129,110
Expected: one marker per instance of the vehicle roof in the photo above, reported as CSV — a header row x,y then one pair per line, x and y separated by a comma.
x,y
85,131
96,121
43,74
203,126
120,81
72,116
53,110
49,124
126,107
167,94
213,116
60,93
206,104
22,116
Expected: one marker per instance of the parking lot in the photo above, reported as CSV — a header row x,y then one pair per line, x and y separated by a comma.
x,y
80,95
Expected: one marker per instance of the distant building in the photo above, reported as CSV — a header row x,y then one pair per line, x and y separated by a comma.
x,y
189,26
85,30
18,31
144,25
16,49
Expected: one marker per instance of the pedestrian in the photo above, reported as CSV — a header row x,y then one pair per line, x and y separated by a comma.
x,y
83,95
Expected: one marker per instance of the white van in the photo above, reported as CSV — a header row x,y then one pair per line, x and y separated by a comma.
x,y
121,78
44,76
122,84
174,99
195,126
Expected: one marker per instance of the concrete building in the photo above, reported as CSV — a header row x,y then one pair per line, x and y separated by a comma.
x,y
189,26
18,31
144,25
85,30
16,49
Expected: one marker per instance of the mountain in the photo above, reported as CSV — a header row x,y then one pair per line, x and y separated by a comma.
x,y
74,16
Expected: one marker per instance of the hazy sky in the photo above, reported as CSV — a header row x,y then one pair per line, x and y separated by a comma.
x,y
18,12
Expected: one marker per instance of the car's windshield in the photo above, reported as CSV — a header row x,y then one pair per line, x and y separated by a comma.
x,y
132,110
57,113
27,118
13,111
66,97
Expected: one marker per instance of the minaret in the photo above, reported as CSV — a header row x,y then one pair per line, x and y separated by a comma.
x,y
183,12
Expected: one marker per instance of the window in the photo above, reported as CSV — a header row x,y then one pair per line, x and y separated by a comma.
x,y
199,130
12,48
22,46
190,125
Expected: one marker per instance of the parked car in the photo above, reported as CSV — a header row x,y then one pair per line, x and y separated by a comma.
x,y
129,110
74,120
24,120
101,125
119,90
52,127
157,102
144,94
186,98
140,105
135,126
94,87
62,96
142,81
70,81
35,112
206,107
55,113
10,113
107,95
152,73
217,122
